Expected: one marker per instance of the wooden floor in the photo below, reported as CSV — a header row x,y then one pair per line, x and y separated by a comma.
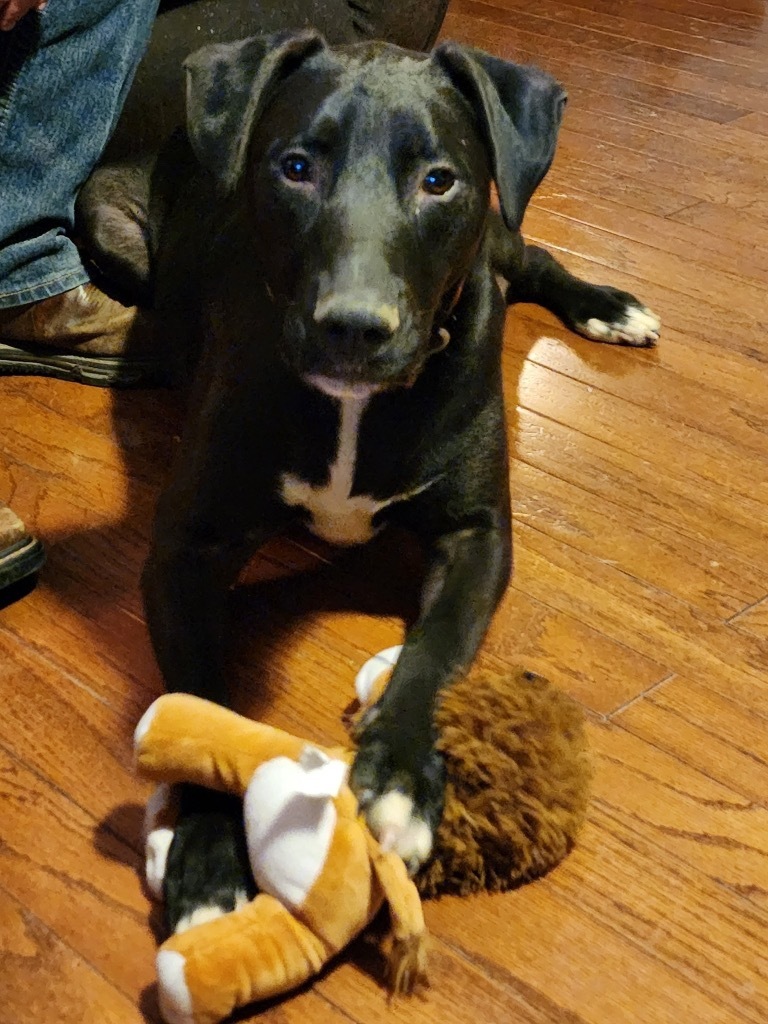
x,y
640,490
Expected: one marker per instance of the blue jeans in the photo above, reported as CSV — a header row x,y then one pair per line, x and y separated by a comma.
x,y
64,73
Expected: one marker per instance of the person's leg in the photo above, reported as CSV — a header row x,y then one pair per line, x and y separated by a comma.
x,y
64,74
413,24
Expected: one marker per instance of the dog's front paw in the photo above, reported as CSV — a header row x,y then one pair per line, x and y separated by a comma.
x,y
207,873
618,318
400,784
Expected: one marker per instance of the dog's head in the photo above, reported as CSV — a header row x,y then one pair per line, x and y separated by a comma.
x,y
364,173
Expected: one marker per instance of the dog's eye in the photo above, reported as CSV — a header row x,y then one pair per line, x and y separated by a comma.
x,y
439,181
297,168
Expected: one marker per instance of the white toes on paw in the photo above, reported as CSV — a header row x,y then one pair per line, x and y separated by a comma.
x,y
174,995
202,915
156,847
637,326
392,820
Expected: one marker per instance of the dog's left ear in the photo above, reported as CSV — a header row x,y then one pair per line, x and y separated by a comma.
x,y
228,85
520,108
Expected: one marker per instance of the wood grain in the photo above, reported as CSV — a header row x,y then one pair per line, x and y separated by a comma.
x,y
43,979
706,730
641,587
754,620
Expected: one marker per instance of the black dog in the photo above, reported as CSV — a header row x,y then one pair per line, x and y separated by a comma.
x,y
348,284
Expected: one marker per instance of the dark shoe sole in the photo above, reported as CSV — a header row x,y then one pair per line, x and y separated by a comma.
x,y
20,560
98,371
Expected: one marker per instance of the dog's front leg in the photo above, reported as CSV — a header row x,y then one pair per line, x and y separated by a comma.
x,y
397,775
186,582
208,524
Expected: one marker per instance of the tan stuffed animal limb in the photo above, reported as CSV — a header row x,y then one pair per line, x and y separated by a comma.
x,y
322,876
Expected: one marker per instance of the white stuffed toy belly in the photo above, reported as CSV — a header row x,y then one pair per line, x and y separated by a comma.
x,y
290,819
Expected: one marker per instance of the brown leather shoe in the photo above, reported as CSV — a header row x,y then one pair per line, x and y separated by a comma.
x,y
20,554
82,335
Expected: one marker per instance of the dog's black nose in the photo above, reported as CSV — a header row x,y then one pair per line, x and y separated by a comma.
x,y
356,318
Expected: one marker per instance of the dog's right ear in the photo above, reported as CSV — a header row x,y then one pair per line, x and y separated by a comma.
x,y
228,85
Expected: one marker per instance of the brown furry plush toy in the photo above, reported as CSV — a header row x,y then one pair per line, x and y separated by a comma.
x,y
518,778
518,774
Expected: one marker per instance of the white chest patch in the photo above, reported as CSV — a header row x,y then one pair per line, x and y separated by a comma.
x,y
337,516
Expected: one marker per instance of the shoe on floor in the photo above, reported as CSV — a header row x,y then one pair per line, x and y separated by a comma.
x,y
81,335
20,554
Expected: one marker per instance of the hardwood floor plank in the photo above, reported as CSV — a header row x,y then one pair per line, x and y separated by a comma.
x,y
700,184
700,456
688,921
753,122
78,740
484,33
630,192
704,824
42,979
712,321
715,15
616,982
713,250
56,857
632,612
705,730
83,467
682,19
711,137
85,617
703,162
717,219
612,532
630,38
459,990
647,262
725,399
594,48
613,21
754,620
732,381
670,860
576,656
289,665
644,487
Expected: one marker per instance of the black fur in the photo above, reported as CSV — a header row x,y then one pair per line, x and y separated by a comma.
x,y
208,859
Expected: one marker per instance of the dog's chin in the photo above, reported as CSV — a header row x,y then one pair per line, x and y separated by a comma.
x,y
352,382
337,387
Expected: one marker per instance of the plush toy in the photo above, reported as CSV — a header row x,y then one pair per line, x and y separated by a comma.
x,y
321,875
517,793
518,770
